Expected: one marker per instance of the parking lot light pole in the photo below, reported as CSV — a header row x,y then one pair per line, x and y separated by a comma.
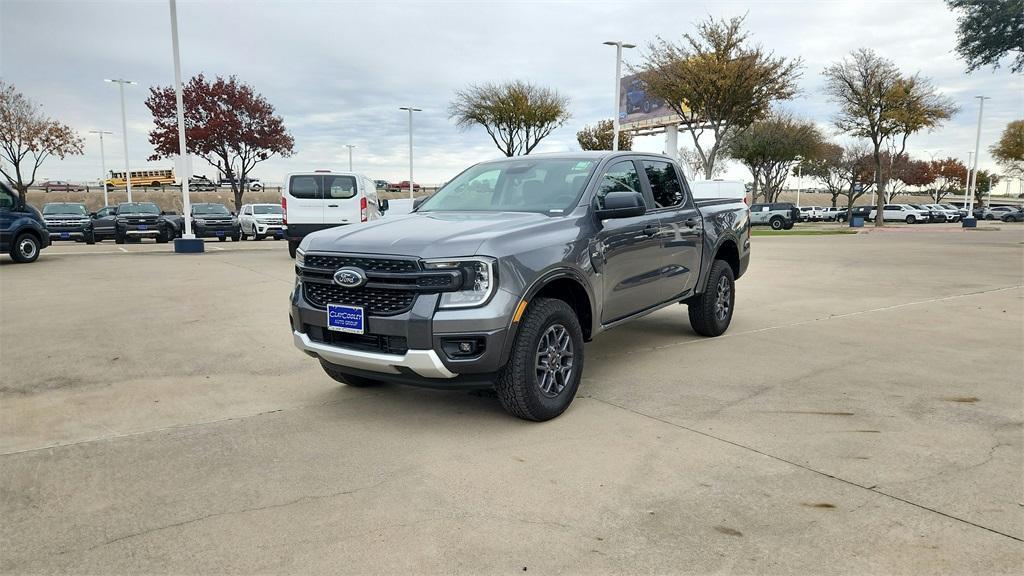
x,y
188,243
103,164
412,186
799,178
124,130
977,143
350,147
619,45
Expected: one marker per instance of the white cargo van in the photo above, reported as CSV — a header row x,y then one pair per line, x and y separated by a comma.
x,y
323,199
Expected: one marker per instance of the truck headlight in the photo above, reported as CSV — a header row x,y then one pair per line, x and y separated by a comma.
x,y
300,257
478,281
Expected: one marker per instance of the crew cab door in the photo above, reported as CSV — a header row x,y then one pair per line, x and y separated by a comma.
x,y
627,251
681,240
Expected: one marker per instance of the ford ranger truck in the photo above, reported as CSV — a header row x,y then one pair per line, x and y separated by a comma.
x,y
500,277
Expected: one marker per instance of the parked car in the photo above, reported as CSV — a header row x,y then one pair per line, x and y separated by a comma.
x,y
258,221
403,185
138,220
212,220
381,184
831,213
318,200
902,213
1014,216
60,186
933,215
811,213
857,211
945,213
961,211
994,212
23,232
66,220
498,279
779,216
102,225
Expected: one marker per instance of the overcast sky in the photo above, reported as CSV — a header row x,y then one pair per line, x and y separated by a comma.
x,y
338,71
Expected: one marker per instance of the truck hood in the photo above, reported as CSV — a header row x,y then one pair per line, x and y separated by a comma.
x,y
426,235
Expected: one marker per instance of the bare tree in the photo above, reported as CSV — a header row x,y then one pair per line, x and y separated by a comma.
x,y
517,115
694,164
28,138
717,82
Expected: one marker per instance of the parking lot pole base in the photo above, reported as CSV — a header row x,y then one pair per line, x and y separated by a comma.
x,y
970,223
189,245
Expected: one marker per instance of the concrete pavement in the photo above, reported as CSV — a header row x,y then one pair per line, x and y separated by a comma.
x,y
862,415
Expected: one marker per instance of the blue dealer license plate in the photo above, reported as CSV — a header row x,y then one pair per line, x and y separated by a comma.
x,y
342,318
64,235
143,227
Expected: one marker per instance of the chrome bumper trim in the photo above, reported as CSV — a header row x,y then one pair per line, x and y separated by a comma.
x,y
426,363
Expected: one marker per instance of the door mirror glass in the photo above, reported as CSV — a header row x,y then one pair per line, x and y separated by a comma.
x,y
384,204
622,205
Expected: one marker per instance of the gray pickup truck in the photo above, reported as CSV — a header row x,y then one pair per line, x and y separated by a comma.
x,y
499,278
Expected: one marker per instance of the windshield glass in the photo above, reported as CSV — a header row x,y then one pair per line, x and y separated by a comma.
x,y
137,208
267,209
76,209
520,185
219,209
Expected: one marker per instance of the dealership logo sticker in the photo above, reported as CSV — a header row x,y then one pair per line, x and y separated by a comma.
x,y
349,277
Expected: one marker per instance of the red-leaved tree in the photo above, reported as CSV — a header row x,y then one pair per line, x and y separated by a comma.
x,y
226,123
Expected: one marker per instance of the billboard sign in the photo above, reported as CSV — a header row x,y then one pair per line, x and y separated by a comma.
x,y
639,110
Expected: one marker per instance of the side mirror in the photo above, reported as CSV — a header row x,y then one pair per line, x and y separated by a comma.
x,y
622,205
92,214
384,206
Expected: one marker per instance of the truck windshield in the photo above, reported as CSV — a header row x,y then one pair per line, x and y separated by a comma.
x,y
76,209
267,209
519,185
138,208
209,209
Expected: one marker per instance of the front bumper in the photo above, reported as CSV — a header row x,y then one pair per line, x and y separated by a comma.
x,y
425,363
216,229
263,228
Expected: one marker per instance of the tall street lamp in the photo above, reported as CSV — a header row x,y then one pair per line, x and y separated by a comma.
x,y
124,129
411,185
619,45
103,164
350,147
977,144
967,185
799,177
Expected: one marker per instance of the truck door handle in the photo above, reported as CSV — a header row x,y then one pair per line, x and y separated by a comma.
x,y
691,222
332,205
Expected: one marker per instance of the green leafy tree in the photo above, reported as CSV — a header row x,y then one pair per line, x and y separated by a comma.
x,y
878,103
599,137
517,115
717,82
988,31
769,149
1009,150
983,185
28,138
951,177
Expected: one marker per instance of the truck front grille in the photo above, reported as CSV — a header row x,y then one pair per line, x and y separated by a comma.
x,y
367,264
376,301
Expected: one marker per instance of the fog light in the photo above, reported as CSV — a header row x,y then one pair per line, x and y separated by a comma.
x,y
457,348
465,347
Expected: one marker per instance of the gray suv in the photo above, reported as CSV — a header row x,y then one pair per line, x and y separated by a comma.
x,y
498,279
777,215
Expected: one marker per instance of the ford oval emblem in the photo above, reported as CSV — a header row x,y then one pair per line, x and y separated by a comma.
x,y
349,277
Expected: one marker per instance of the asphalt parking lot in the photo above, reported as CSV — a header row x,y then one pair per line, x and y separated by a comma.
x,y
864,414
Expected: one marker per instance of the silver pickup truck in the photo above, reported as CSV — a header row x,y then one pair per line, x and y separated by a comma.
x,y
499,278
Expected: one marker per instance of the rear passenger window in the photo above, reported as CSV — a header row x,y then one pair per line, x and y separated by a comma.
x,y
304,187
620,177
339,187
665,184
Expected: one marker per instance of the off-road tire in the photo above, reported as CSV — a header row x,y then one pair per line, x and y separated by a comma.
x,y
777,223
354,381
517,385
702,307
25,248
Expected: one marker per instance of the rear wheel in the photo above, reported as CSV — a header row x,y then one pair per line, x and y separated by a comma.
x,y
237,237
90,237
544,368
711,311
356,381
776,223
25,248
911,219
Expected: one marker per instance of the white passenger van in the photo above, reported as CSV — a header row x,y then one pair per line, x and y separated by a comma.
x,y
323,199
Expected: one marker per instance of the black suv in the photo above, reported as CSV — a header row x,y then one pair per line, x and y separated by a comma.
x,y
66,220
211,220
141,220
22,231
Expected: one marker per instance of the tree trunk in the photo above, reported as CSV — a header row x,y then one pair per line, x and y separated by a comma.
x,y
879,188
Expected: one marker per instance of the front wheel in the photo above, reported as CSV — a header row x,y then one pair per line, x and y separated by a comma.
x,y
711,311
25,249
119,239
90,237
788,225
776,223
292,247
989,217
545,364
910,219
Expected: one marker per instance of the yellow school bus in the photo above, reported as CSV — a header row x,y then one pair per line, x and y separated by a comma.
x,y
142,178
